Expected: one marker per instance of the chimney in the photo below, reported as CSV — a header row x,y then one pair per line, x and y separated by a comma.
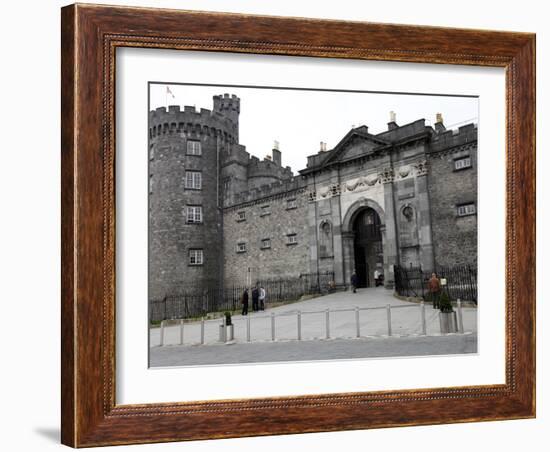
x,y
323,147
392,124
276,153
439,127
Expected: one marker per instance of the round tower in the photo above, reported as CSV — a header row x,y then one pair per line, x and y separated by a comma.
x,y
185,219
230,107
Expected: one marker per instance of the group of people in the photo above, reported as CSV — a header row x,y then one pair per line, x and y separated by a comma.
x,y
258,299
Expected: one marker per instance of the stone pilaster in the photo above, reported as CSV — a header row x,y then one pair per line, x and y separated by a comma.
x,y
389,235
424,218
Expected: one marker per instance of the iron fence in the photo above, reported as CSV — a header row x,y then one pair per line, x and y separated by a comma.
x,y
461,281
198,301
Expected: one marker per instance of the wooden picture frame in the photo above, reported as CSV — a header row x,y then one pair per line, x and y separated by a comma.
x,y
90,36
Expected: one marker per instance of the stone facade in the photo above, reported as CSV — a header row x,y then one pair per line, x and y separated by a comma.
x,y
405,196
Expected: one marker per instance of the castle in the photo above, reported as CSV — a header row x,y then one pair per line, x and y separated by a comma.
x,y
220,216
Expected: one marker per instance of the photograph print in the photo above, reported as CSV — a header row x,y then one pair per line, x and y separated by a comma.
x,y
292,224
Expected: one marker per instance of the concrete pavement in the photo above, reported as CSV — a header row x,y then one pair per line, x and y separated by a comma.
x,y
258,352
406,325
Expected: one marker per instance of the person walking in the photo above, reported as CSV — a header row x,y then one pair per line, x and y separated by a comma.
x,y
262,298
434,290
376,278
255,297
244,301
354,281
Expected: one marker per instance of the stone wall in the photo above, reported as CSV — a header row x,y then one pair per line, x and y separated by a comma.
x,y
280,259
454,237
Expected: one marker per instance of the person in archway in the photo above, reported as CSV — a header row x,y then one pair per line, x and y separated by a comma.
x,y
434,290
354,281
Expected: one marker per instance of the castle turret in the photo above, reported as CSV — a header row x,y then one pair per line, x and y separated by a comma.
x,y
230,107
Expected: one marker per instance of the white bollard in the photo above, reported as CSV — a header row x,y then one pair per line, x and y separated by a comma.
x,y
162,333
202,331
357,323
181,332
299,322
327,323
460,321
423,317
247,328
273,326
388,314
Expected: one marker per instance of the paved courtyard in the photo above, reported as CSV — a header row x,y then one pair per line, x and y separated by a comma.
x,y
406,333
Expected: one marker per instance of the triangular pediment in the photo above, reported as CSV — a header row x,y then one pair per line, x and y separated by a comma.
x,y
357,143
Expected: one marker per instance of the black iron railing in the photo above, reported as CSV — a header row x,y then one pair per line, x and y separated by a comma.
x,y
198,301
461,281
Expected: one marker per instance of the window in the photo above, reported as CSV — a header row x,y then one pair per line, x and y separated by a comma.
x,y
196,257
194,147
264,211
266,243
193,180
291,204
291,239
463,163
241,247
194,214
466,209
241,216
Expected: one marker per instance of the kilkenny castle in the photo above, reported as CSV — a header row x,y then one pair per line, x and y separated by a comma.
x,y
219,216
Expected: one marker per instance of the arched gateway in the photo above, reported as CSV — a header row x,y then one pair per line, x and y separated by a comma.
x,y
364,242
367,246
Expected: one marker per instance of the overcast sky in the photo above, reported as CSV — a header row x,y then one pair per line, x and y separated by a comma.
x,y
300,119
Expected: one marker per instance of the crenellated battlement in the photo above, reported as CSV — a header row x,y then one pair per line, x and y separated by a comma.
x,y
454,137
189,121
281,188
227,102
267,168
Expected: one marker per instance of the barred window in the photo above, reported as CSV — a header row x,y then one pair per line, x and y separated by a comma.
x,y
291,204
463,163
266,243
193,180
194,147
466,209
265,210
241,216
241,247
196,256
291,239
194,214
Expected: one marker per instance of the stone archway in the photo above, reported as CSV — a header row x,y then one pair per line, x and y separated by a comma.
x,y
367,246
353,244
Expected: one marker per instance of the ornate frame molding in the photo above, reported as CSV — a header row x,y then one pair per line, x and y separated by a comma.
x,y
90,36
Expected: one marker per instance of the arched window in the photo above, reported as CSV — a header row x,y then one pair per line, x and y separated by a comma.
x,y
325,239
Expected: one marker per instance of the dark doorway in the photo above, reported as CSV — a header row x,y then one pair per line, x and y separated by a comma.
x,y
367,246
